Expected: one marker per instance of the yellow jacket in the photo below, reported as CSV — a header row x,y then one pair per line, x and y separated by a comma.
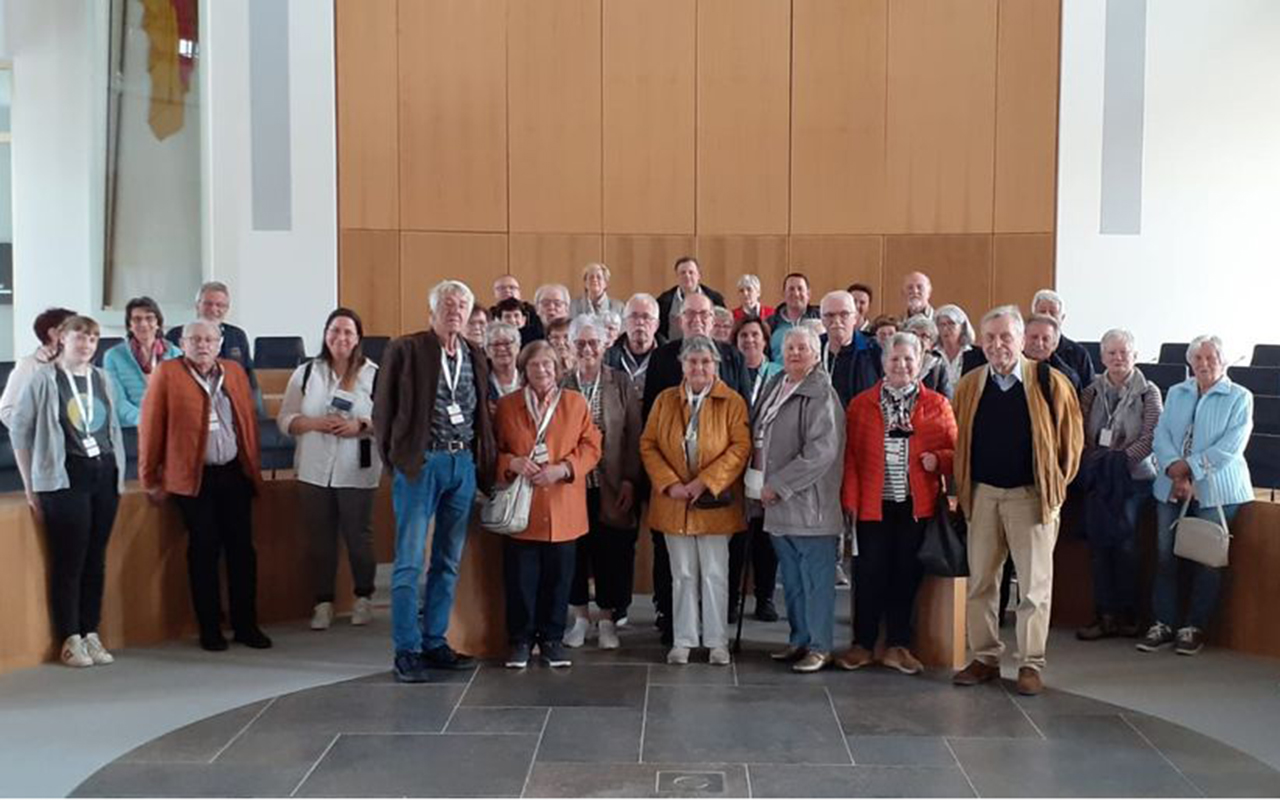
x,y
1055,453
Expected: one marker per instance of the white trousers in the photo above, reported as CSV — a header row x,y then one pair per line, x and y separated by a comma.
x,y
699,589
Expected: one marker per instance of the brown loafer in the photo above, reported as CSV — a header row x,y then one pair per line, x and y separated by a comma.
x,y
901,659
789,654
977,672
1029,681
855,657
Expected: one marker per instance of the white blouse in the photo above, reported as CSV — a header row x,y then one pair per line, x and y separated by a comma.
x,y
323,459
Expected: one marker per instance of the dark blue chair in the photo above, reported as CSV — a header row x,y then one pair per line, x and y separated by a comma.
x,y
1094,349
278,352
1266,414
6,367
1164,375
1174,352
1259,380
1266,355
274,448
105,343
373,347
1263,457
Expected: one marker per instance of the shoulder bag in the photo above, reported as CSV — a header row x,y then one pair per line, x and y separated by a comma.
x,y
1201,540
944,551
507,509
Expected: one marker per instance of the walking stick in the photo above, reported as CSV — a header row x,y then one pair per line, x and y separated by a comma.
x,y
747,565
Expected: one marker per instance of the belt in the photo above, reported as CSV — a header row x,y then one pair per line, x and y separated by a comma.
x,y
450,447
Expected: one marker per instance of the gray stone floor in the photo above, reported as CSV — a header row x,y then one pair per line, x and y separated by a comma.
x,y
623,723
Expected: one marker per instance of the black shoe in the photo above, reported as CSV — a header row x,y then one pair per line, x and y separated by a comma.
x,y
519,656
1190,641
1128,627
1158,635
661,622
1104,627
213,641
253,637
765,610
554,654
444,657
409,667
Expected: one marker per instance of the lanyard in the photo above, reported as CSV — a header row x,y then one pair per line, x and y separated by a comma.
x,y
544,419
210,389
785,389
755,388
695,409
633,367
452,380
828,358
85,405
595,386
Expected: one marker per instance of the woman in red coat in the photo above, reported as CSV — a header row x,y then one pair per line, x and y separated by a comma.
x,y
899,443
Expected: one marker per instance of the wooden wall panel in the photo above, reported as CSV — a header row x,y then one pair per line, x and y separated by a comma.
x,y
368,149
649,107
1022,264
958,266
644,263
744,90
453,115
941,116
834,262
1027,116
538,258
428,258
838,116
554,103
724,259
369,278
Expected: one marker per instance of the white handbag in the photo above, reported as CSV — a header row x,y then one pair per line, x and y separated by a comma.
x,y
507,509
1201,540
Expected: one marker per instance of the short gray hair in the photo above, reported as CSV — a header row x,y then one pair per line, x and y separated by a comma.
x,y
212,286
604,270
922,324
838,294
584,322
1123,335
956,314
610,317
749,282
902,339
1009,311
722,314
546,288
698,344
451,287
207,324
642,298
499,329
1052,297
1045,319
809,335
1201,341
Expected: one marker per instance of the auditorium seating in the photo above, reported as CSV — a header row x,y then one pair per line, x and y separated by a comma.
x,y
1266,414
1259,380
1174,352
1164,375
1094,349
373,347
1263,457
6,367
1266,355
105,343
278,352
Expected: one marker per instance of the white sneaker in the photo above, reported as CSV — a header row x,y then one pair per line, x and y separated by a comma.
x,y
73,653
608,635
576,636
842,578
322,617
678,655
719,656
96,652
362,612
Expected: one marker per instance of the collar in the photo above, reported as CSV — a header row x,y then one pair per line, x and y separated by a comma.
x,y
1006,382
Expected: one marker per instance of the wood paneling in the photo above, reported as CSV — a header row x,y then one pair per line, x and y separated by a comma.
x,y
958,266
838,116
834,262
453,115
368,149
369,278
649,106
554,108
1026,116
724,259
1022,264
644,263
744,73
538,258
941,116
428,258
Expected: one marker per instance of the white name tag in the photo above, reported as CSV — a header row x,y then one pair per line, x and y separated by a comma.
x,y
753,482
90,446
214,423
540,454
1104,437
455,414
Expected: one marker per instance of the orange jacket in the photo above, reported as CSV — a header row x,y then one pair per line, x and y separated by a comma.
x,y
175,424
558,512
935,432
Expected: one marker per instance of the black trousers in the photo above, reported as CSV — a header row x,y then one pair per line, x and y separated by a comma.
x,y
331,513
661,578
764,562
609,554
77,524
887,574
219,519
537,577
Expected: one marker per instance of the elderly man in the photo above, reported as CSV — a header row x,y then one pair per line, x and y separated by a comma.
x,y
670,302
917,289
1049,303
794,310
198,441
1043,344
595,298
507,288
640,338
551,302
851,357
213,302
1019,443
431,418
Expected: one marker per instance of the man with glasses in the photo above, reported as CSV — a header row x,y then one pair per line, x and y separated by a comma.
x,y
507,287
850,356
551,303
630,352
213,302
688,284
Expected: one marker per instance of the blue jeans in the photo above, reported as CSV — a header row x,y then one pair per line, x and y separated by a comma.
x,y
1115,563
808,567
445,489
1205,581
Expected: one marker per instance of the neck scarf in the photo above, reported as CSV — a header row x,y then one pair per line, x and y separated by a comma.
x,y
897,404
147,360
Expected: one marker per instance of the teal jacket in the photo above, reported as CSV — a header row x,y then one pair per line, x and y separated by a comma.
x,y
129,381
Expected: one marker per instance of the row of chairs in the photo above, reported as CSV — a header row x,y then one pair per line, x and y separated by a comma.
x,y
269,352
1264,355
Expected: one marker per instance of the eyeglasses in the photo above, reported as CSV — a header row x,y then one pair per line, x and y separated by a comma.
x,y
587,344
506,344
641,317
698,314
837,315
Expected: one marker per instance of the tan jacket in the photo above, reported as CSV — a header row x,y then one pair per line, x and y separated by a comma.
x,y
1056,453
621,408
724,444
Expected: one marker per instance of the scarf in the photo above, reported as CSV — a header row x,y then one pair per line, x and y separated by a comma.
x,y
897,404
147,360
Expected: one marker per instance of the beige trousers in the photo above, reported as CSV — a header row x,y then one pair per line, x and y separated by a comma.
x,y
699,589
1007,521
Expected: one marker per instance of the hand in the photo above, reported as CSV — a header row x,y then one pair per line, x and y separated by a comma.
x,y
677,491
36,512
157,495
1179,470
550,474
1182,490
626,497
524,466
347,428
768,496
929,461
694,489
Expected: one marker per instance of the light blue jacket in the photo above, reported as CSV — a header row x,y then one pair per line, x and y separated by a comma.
x,y
1222,420
130,383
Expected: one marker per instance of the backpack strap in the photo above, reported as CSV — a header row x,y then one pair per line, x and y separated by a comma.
x,y
1046,388
306,375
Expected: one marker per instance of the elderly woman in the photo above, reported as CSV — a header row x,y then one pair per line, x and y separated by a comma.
x,y
501,344
595,293
695,447
545,436
955,338
476,325
328,408
131,362
722,327
749,291
558,337
1200,469
1120,410
883,328
70,452
933,367
612,323
901,441
794,480
608,551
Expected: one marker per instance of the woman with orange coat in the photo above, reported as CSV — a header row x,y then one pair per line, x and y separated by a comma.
x,y
538,563
900,441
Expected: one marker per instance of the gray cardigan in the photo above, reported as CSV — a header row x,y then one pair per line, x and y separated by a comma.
x,y
804,452
36,427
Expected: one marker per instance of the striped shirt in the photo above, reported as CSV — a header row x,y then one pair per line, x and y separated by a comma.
x,y
896,453
464,394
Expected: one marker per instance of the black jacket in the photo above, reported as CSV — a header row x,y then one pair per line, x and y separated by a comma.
x,y
1076,357
665,371
857,367
668,297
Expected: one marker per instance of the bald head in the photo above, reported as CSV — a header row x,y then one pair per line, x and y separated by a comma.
x,y
916,291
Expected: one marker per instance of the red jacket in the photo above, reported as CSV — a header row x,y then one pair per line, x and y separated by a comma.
x,y
935,432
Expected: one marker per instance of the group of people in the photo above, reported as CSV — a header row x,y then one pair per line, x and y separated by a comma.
x,y
765,435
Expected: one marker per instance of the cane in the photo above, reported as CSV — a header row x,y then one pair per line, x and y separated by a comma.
x,y
747,566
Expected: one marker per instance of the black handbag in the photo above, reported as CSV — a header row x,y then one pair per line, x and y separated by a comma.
x,y
943,551
708,501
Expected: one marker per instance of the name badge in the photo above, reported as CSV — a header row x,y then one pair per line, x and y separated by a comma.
x,y
214,423
342,401
540,454
90,446
455,414
1104,437
753,483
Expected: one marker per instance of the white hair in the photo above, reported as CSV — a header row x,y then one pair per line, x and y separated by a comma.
x,y
1210,339
499,329
1123,335
749,282
1045,319
722,314
838,294
195,324
699,344
604,270
547,288
1052,297
956,314
587,322
451,287
1010,311
643,298
212,286
807,333
922,324
610,317
902,339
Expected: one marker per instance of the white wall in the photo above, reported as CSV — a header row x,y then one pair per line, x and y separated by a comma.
x,y
1206,258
